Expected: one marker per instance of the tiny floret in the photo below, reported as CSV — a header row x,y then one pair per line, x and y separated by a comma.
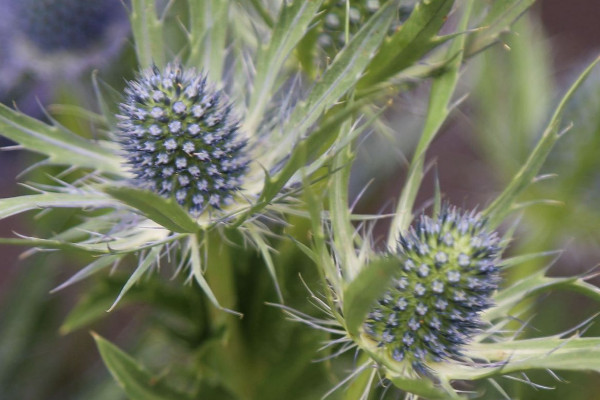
x,y
439,290
181,139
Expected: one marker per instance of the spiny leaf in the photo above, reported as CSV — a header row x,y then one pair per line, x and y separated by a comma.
x,y
145,263
198,274
416,37
341,76
62,146
503,204
537,283
17,205
574,354
92,268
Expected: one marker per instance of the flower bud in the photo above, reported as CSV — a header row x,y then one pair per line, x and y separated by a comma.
x,y
447,273
180,138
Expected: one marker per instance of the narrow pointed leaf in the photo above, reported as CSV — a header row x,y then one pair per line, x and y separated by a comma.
x,y
141,269
504,203
291,26
533,284
416,37
341,76
62,146
17,205
133,378
147,33
572,354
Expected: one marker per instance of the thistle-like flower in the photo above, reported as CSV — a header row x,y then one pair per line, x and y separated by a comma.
x,y
180,138
447,273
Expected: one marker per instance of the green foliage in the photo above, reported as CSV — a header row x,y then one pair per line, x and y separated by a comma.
x,y
239,302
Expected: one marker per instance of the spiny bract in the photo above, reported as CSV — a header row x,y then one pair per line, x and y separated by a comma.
x,y
332,30
65,24
447,272
180,138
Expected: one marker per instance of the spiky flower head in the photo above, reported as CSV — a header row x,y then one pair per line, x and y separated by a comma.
x,y
447,272
65,24
181,138
332,34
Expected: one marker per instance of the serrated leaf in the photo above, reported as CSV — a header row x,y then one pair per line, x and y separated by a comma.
x,y
89,270
341,76
306,151
198,274
165,212
415,38
265,251
503,204
533,284
574,354
62,146
133,378
143,266
290,27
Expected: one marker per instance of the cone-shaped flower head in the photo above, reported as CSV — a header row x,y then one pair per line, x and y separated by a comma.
x,y
65,24
332,30
181,138
447,272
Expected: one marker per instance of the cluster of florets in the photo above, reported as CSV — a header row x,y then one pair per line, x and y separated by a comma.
x,y
332,28
180,138
447,273
65,24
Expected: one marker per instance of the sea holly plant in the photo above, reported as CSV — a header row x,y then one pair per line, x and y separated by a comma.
x,y
216,160
429,312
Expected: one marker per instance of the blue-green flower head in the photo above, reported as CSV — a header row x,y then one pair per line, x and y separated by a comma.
x,y
180,137
447,273
65,24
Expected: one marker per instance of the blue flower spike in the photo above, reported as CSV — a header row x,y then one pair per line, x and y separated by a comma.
x,y
180,137
447,273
